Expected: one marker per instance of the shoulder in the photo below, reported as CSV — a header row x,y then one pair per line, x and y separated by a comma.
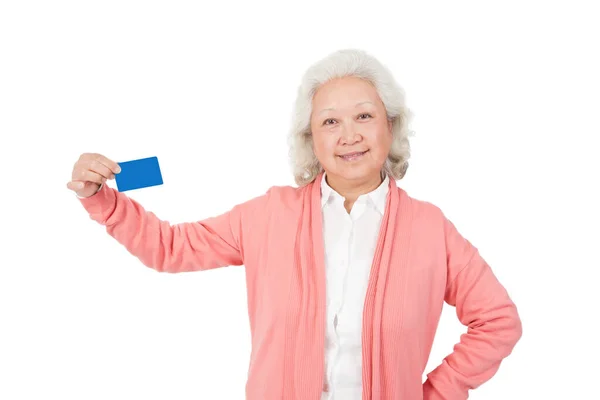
x,y
422,210
275,197
286,200
287,193
430,220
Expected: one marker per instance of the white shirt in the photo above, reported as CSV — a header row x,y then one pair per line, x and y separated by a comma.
x,y
350,241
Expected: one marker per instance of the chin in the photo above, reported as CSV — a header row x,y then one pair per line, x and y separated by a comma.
x,y
355,173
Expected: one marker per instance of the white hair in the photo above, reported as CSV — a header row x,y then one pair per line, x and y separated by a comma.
x,y
339,64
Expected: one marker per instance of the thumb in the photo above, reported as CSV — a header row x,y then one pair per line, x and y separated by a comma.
x,y
75,185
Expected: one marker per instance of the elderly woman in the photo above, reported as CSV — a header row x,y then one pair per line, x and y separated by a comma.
x,y
346,273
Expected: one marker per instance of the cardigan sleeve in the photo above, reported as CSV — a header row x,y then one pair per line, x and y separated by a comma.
x,y
190,246
485,308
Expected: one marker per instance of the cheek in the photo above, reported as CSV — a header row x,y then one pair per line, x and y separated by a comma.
x,y
323,146
382,142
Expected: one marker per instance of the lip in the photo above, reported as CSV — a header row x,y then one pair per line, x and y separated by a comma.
x,y
354,153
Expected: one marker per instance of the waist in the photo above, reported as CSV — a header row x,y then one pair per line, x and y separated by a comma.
x,y
343,393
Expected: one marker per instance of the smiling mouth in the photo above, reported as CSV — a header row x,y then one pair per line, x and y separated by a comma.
x,y
353,156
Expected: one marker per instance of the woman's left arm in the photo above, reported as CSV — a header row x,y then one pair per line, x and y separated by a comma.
x,y
484,306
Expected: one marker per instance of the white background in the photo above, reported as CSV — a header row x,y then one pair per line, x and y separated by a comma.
x,y
506,106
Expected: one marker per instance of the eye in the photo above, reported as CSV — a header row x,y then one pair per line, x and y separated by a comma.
x,y
325,122
367,114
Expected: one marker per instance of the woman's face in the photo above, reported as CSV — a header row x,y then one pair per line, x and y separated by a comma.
x,y
351,133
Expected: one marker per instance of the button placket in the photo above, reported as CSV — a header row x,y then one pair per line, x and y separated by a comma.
x,y
341,292
345,276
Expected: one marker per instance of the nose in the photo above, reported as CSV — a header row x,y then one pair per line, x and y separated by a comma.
x,y
350,135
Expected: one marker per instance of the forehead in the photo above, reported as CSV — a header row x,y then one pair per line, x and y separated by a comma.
x,y
344,93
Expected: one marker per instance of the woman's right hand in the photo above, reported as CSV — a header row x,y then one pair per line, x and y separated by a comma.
x,y
89,172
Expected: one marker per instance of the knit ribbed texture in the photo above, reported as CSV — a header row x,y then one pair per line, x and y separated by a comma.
x,y
420,262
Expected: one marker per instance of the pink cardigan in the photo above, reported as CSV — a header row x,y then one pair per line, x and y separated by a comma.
x,y
420,261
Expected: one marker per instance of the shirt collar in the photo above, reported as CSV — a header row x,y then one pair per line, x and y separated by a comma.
x,y
377,196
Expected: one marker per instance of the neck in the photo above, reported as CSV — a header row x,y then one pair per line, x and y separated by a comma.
x,y
352,189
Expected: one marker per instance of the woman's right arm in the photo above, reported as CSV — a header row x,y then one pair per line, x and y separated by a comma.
x,y
184,247
191,246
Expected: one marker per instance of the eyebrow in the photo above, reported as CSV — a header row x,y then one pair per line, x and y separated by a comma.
x,y
357,104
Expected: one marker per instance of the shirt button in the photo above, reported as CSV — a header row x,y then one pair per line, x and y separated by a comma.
x,y
325,387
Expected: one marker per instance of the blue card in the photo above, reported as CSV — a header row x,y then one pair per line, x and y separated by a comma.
x,y
137,174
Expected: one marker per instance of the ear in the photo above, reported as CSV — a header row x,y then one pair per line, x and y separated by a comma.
x,y
390,123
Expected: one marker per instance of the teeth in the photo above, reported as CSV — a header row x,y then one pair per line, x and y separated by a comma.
x,y
350,157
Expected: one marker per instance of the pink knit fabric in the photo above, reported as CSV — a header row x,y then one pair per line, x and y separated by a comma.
x,y
421,260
